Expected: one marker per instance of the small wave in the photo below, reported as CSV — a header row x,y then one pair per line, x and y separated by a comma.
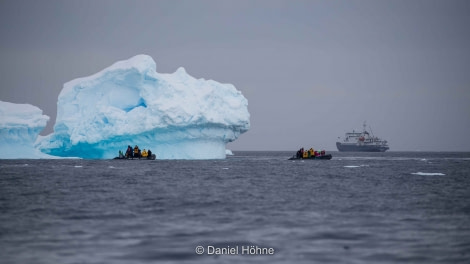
x,y
428,173
78,166
352,166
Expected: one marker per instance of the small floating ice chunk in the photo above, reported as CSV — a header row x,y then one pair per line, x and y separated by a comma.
x,y
428,173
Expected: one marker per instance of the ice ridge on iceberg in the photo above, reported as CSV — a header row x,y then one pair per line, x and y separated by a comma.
x,y
20,125
129,103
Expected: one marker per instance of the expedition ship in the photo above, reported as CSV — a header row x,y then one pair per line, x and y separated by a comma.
x,y
362,141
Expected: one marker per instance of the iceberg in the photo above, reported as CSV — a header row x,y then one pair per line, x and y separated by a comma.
x,y
175,115
20,125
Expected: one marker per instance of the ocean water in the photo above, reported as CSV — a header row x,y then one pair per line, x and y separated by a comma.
x,y
253,207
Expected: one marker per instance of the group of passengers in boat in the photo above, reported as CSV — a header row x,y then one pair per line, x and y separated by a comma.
x,y
135,153
301,153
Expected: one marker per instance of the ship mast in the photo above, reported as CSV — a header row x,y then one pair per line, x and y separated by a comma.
x,y
372,133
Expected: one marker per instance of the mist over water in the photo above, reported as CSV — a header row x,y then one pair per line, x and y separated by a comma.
x,y
356,208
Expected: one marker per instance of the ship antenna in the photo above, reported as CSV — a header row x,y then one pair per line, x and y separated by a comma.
x,y
371,131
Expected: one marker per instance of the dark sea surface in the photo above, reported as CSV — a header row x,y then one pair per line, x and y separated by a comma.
x,y
408,207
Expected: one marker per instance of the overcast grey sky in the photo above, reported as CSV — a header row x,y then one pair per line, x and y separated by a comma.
x,y
311,70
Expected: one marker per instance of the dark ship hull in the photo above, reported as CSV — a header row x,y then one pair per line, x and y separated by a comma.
x,y
352,147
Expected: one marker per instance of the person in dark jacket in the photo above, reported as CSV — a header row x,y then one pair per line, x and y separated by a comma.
x,y
129,152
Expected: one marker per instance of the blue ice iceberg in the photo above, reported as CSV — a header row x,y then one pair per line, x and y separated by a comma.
x,y
129,103
20,125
